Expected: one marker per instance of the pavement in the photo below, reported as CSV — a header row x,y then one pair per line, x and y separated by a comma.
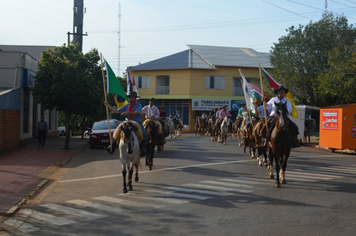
x,y
25,170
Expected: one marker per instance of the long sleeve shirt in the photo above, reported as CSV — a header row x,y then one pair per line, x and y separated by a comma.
x,y
42,125
151,112
137,107
224,113
270,104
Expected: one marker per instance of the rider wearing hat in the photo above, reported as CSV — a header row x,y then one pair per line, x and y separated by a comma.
x,y
241,110
281,92
133,110
151,110
162,113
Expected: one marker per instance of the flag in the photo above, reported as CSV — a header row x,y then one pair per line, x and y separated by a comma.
x,y
114,86
247,93
256,91
273,84
131,85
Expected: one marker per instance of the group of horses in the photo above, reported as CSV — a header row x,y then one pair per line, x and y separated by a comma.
x,y
129,135
252,134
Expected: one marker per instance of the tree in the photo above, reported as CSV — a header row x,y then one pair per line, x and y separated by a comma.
x,y
339,81
70,82
301,56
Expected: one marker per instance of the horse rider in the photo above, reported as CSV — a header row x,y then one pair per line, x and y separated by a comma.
x,y
175,117
179,119
151,110
260,112
204,116
241,110
222,114
133,110
280,92
162,113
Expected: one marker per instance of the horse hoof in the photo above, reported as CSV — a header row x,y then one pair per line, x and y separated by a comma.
x,y
125,190
136,179
277,185
284,181
130,188
271,176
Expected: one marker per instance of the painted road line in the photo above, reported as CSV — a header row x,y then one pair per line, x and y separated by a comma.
x,y
46,217
252,181
305,176
97,206
21,226
226,184
181,195
300,172
126,202
73,211
161,199
191,190
227,189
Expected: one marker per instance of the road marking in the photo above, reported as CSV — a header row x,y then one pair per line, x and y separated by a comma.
x,y
252,181
21,226
226,184
217,188
125,202
152,171
197,191
73,211
182,195
161,199
316,174
46,217
97,206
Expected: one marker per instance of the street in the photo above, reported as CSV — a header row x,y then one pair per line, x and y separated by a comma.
x,y
196,187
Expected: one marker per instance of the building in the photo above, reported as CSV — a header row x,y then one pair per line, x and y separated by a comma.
x,y
20,112
199,79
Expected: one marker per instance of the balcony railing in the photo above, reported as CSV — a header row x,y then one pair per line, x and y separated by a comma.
x,y
238,91
162,90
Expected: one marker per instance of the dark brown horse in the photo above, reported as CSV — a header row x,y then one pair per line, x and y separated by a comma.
x,y
259,133
154,131
201,124
280,144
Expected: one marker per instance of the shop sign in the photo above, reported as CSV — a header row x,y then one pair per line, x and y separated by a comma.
x,y
28,78
209,104
329,119
236,104
353,132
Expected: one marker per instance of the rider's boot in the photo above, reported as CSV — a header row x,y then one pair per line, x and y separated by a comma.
x,y
111,148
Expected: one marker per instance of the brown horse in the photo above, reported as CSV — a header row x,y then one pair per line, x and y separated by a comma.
x,y
236,128
259,133
154,131
280,144
201,124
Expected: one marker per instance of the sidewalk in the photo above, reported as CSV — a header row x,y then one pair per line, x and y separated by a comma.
x,y
24,170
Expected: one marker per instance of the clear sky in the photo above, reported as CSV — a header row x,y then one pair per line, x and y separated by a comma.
x,y
151,29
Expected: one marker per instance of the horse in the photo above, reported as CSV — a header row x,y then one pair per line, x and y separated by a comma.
x,y
164,134
258,134
248,138
177,127
128,136
154,131
224,128
170,126
200,124
236,128
211,123
280,144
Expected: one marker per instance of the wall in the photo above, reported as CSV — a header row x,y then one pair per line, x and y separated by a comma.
x,y
9,129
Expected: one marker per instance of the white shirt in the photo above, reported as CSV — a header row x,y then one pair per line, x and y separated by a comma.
x,y
270,104
151,112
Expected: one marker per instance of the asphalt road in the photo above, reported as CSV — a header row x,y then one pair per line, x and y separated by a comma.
x,y
196,187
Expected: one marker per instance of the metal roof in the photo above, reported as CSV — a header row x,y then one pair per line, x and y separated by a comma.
x,y
207,57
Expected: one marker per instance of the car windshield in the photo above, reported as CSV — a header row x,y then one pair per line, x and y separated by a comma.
x,y
103,125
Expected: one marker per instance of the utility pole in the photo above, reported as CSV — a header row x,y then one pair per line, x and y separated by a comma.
x,y
118,54
78,15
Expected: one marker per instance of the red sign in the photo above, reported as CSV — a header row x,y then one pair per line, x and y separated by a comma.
x,y
353,132
329,119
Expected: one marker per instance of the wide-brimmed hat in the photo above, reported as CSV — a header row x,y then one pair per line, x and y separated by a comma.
x,y
257,100
152,99
161,108
280,88
132,94
243,103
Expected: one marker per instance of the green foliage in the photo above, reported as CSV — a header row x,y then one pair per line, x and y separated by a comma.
x,y
301,56
339,81
70,82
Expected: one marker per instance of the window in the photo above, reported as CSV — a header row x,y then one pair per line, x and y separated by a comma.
x,y
142,81
214,82
237,89
162,84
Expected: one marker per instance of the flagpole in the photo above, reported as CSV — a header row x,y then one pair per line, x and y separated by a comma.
x,y
105,97
264,107
249,111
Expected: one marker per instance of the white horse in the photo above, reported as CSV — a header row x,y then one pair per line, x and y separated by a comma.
x,y
175,129
129,149
170,127
224,128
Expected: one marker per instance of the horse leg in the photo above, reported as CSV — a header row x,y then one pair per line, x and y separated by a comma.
x,y
271,157
136,174
150,164
130,175
283,170
123,165
278,168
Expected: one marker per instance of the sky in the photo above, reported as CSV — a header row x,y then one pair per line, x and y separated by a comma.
x,y
152,29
